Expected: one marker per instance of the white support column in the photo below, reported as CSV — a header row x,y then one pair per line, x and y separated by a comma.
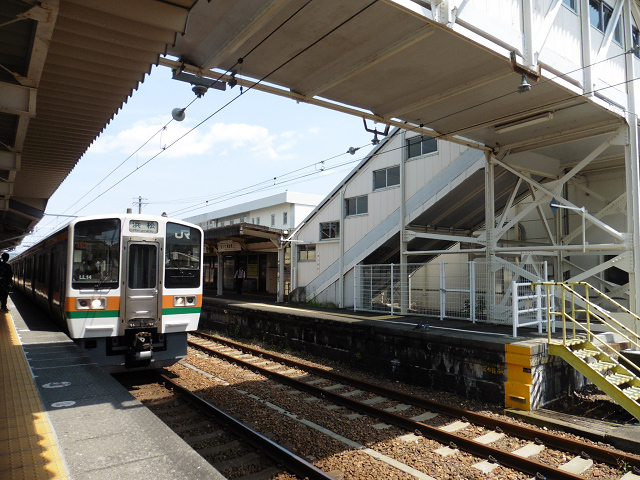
x,y
631,165
294,265
341,254
530,59
489,209
585,28
404,280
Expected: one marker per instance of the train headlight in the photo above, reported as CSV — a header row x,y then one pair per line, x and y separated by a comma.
x,y
185,301
99,303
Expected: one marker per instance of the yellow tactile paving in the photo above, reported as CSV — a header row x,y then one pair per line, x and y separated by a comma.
x,y
27,445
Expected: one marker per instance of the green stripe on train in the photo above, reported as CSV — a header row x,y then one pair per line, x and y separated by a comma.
x,y
177,311
93,314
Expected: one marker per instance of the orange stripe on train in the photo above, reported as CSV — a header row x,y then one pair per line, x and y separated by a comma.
x,y
167,300
113,303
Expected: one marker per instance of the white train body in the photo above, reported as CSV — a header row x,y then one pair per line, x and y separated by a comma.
x,y
126,288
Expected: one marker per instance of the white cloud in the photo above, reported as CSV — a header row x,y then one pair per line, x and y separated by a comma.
x,y
217,139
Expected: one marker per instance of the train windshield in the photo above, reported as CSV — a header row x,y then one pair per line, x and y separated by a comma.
x,y
96,253
182,258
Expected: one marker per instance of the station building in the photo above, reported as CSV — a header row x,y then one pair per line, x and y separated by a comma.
x,y
248,235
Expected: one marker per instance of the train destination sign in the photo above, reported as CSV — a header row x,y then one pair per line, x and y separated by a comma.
x,y
141,226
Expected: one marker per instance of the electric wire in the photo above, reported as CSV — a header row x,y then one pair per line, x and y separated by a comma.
x,y
267,187
269,182
234,99
409,128
303,51
239,61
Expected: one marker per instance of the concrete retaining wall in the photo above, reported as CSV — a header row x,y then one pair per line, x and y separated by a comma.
x,y
470,365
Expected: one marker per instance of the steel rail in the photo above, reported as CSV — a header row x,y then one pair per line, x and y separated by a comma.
x,y
516,462
280,455
600,454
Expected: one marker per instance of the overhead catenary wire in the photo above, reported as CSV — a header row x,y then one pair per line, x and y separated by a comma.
x,y
230,69
409,128
359,12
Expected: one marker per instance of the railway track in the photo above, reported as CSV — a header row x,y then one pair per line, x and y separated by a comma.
x,y
485,443
233,448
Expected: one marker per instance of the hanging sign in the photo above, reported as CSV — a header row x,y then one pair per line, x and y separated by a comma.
x,y
229,246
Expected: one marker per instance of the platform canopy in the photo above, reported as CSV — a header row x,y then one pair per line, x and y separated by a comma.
x,y
67,67
386,60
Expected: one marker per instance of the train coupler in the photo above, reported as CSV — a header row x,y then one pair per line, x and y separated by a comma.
x,y
141,352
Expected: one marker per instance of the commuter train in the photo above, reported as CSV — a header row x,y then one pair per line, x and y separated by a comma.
x,y
126,288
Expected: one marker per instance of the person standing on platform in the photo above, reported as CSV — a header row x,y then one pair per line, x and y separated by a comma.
x,y
240,276
6,277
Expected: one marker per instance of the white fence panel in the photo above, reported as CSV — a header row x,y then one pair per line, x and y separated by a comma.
x,y
444,290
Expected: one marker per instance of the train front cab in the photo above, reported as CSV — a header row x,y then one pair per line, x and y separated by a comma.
x,y
148,298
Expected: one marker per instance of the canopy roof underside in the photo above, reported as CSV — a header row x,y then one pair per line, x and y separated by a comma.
x,y
72,64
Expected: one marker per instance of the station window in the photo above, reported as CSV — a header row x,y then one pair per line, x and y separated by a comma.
x,y
356,205
284,218
306,252
570,4
230,222
600,15
635,34
329,230
273,219
387,177
257,220
421,145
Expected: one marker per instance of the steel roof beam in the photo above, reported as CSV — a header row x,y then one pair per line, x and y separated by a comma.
x,y
321,103
17,99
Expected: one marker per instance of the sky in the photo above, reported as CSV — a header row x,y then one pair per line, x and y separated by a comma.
x,y
245,151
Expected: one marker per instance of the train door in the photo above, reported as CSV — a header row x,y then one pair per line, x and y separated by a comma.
x,y
140,294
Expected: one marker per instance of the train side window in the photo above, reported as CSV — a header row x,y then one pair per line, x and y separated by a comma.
x,y
96,253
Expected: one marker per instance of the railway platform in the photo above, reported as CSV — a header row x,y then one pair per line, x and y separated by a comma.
x,y
64,417
475,360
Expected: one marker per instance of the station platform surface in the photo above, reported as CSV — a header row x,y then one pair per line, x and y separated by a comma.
x,y
64,417
626,437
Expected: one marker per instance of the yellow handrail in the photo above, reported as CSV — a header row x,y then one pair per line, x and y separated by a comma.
x,y
592,311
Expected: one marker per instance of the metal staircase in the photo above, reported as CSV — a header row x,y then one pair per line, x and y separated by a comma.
x,y
587,351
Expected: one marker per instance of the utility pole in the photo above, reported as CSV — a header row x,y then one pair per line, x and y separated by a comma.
x,y
139,202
